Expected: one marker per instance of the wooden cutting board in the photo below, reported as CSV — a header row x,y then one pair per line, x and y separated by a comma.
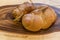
x,y
10,31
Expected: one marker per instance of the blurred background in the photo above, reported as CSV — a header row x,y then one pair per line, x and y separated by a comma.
x,y
11,2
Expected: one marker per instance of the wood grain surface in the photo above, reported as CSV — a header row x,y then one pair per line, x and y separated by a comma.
x,y
10,31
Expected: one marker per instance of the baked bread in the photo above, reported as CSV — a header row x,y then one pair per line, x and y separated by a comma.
x,y
41,18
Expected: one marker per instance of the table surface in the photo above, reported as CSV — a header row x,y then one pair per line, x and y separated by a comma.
x,y
15,36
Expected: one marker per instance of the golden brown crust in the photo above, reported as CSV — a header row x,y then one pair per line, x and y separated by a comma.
x,y
42,19
22,9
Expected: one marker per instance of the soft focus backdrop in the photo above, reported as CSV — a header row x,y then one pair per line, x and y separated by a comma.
x,y
50,2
